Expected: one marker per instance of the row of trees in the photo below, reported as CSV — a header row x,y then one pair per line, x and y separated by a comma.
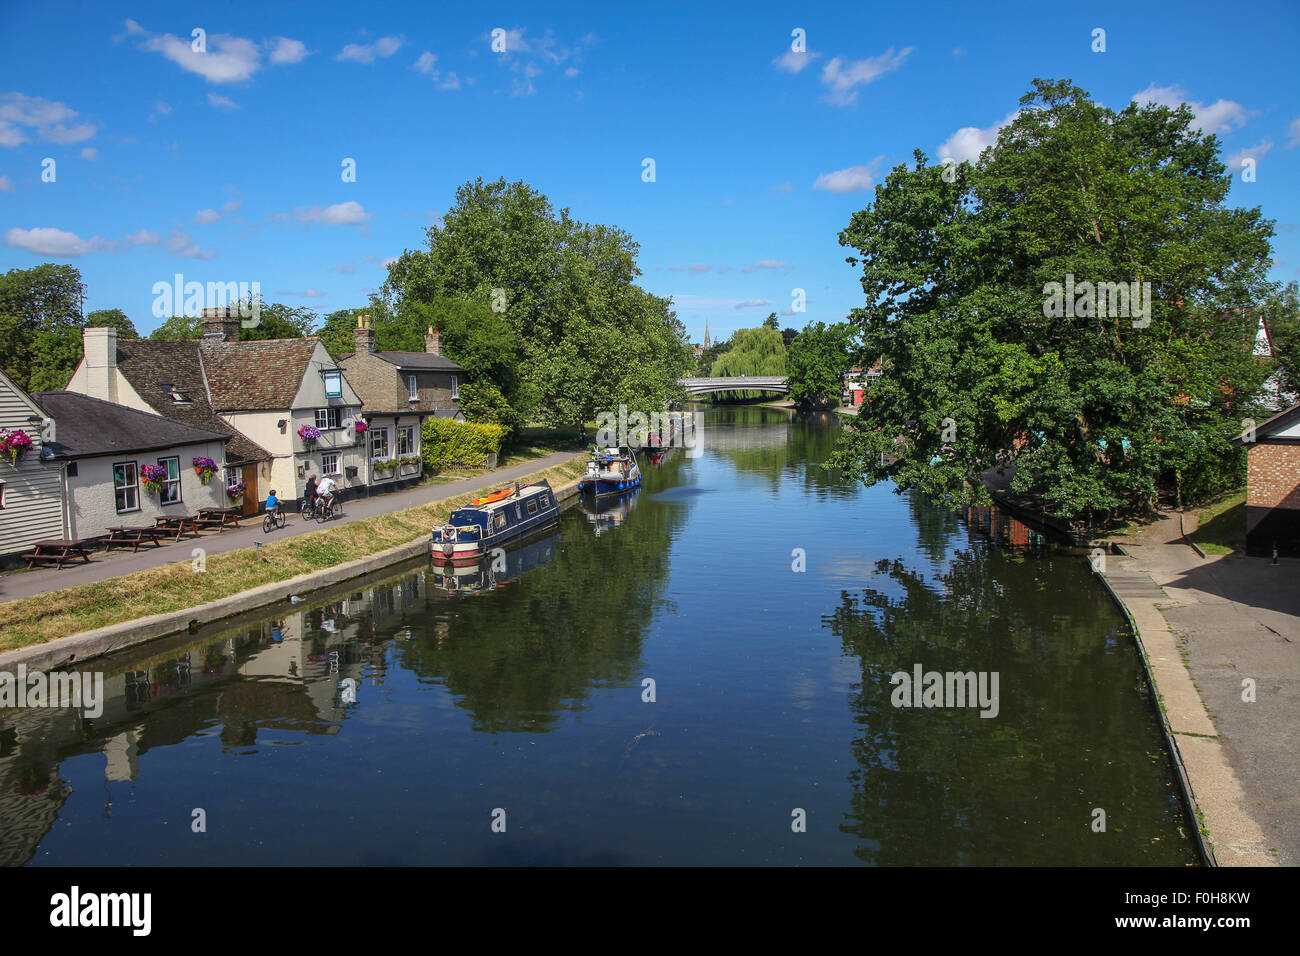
x,y
1099,413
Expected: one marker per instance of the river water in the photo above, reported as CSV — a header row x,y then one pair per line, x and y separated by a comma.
x,y
767,599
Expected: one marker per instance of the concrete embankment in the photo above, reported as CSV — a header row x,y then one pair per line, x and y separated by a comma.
x,y
76,648
1229,833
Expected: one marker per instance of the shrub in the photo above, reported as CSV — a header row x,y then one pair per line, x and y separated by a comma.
x,y
448,443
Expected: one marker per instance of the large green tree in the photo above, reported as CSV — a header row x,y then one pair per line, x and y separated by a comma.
x,y
1097,412
588,336
57,350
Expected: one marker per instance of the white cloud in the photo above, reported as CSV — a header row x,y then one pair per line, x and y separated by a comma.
x,y
752,303
425,63
232,206
841,78
792,62
90,153
767,264
160,108
340,214
1218,117
206,217
222,102
1256,152
854,179
782,187
48,241
965,145
181,245
1294,132
304,294
366,52
287,50
229,59
46,119
571,71
389,261
6,184
344,268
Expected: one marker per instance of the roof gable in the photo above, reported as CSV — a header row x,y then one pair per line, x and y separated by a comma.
x,y
254,376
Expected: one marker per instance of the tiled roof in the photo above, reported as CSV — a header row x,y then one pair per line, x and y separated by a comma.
x,y
255,376
419,360
148,364
85,426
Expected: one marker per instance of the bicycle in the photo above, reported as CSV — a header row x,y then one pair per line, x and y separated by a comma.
x,y
274,519
306,508
324,510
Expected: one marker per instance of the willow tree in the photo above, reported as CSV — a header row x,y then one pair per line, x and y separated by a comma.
x,y
1098,406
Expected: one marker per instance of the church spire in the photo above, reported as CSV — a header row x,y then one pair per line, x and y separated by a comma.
x,y
706,333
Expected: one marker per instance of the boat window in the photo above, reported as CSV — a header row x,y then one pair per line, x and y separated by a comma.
x,y
544,499
532,507
498,521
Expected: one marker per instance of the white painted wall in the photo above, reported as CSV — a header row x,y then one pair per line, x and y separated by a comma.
x,y
33,492
92,506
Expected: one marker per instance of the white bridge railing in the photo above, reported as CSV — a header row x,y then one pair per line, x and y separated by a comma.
x,y
735,383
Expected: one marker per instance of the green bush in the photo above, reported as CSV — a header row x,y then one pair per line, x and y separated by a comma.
x,y
448,443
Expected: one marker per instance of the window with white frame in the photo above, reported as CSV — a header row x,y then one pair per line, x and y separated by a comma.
x,y
379,443
126,487
170,492
406,441
329,464
455,393
327,418
412,389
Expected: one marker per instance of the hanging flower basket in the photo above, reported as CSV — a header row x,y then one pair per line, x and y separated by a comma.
x,y
360,426
15,443
236,490
309,434
152,477
205,468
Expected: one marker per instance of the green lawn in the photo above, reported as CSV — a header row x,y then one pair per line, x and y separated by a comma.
x,y
1223,525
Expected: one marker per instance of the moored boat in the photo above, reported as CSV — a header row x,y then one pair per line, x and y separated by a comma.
x,y
471,533
610,471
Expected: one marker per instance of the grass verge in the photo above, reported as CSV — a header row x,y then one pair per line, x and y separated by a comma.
x,y
1222,528
173,587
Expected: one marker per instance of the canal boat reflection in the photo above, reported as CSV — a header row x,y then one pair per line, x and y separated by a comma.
x,y
609,512
495,570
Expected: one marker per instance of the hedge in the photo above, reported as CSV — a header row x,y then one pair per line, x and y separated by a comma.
x,y
448,443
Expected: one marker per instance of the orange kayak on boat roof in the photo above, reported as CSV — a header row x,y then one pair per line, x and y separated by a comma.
x,y
495,496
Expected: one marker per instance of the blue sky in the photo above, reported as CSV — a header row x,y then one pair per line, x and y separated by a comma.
x,y
226,166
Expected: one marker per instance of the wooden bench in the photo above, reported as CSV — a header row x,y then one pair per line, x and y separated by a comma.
x,y
219,518
181,524
57,552
134,536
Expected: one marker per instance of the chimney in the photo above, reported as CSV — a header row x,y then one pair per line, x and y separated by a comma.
x,y
220,325
363,336
433,342
100,346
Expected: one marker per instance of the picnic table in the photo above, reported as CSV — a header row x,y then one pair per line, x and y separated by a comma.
x,y
178,523
58,552
219,517
135,536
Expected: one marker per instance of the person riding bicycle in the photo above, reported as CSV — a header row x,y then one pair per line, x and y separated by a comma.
x,y
326,489
309,493
272,503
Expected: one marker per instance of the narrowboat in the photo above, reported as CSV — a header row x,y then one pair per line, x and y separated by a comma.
x,y
472,533
610,472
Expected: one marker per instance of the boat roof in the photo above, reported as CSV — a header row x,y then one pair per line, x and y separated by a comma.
x,y
527,491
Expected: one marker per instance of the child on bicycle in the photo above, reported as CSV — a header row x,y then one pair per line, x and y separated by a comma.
x,y
272,504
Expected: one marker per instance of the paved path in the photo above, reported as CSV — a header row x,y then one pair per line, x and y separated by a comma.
x,y
1208,625
102,566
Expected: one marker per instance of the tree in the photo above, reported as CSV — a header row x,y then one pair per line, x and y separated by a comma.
x,y
179,327
337,331
42,302
788,336
1098,411
277,321
771,322
586,333
815,365
1281,313
114,318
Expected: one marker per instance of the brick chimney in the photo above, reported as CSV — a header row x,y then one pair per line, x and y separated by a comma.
x,y
363,336
220,325
100,346
433,342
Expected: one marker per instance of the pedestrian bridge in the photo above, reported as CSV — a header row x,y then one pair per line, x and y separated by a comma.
x,y
735,383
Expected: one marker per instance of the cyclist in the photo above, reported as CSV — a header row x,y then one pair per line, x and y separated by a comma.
x,y
326,489
272,504
309,494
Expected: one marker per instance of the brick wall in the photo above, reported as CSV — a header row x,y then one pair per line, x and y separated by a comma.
x,y
383,387
1273,476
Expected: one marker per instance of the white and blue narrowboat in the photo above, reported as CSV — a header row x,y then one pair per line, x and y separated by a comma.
x,y
611,471
492,520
